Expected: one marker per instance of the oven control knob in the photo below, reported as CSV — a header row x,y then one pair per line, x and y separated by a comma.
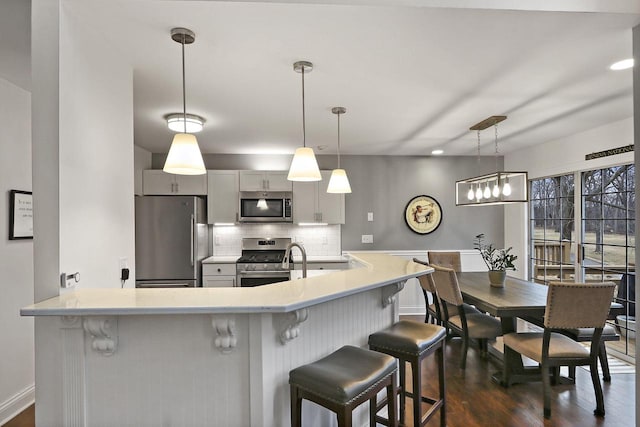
x,y
264,266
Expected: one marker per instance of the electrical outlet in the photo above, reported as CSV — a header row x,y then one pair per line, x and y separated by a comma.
x,y
367,238
325,240
69,280
123,263
370,216
217,240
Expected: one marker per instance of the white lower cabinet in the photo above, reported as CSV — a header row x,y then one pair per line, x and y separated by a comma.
x,y
218,275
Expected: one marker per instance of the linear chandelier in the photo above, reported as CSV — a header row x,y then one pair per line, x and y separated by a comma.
x,y
500,187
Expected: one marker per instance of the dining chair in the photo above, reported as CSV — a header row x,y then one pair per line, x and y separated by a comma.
x,y
446,259
432,303
468,325
569,306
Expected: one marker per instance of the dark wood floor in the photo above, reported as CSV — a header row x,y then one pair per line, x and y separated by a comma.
x,y
474,400
26,418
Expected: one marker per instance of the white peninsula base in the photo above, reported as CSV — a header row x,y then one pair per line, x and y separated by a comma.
x,y
207,364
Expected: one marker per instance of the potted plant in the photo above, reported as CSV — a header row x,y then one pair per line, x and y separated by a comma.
x,y
498,261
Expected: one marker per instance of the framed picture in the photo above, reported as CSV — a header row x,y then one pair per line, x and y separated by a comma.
x,y
20,215
423,214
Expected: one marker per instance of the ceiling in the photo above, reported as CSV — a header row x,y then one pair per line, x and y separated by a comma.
x,y
412,79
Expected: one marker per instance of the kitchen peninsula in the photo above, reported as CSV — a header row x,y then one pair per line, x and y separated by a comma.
x,y
206,356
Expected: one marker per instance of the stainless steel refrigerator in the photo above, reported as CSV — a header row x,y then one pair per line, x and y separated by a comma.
x,y
171,241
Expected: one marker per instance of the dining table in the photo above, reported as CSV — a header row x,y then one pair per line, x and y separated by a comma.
x,y
516,299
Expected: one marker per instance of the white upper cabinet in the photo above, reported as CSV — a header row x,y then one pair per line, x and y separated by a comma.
x,y
222,199
312,203
159,183
264,181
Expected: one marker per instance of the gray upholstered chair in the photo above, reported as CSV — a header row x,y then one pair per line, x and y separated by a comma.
x,y
446,259
569,306
468,325
432,303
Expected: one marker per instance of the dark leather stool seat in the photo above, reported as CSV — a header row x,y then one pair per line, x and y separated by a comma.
x,y
412,342
342,381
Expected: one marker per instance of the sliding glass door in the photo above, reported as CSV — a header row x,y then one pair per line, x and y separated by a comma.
x,y
608,236
582,228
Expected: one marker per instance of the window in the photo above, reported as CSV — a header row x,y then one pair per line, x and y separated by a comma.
x,y
552,245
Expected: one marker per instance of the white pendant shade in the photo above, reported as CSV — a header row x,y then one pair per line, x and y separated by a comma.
x,y
184,156
339,183
304,166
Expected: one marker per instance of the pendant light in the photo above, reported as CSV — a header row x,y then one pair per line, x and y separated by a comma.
x,y
495,188
339,183
304,166
184,156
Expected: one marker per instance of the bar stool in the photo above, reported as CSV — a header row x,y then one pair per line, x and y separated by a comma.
x,y
410,341
342,381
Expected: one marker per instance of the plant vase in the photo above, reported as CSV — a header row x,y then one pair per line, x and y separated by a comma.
x,y
497,278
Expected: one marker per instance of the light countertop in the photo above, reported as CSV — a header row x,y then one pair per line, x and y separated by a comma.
x,y
230,259
375,271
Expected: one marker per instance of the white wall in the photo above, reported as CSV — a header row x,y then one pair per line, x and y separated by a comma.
x,y
556,158
16,256
141,161
96,158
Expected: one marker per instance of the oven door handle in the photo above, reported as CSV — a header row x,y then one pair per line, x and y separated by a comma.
x,y
284,273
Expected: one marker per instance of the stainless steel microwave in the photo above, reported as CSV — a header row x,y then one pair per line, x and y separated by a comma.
x,y
265,206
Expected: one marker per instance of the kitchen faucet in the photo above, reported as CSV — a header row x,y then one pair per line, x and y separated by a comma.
x,y
287,255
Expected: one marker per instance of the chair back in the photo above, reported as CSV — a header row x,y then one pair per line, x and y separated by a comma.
x,y
578,305
426,281
446,259
446,283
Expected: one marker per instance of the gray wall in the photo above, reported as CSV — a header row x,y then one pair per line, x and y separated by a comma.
x,y
384,185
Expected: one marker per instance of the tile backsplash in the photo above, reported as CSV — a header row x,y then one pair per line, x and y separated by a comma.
x,y
317,240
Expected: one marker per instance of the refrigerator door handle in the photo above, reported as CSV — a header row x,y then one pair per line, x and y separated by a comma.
x,y
193,239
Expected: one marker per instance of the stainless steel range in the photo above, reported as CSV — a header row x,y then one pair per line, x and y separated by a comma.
x,y
261,262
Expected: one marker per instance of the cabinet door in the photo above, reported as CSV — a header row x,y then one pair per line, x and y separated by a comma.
x,y
304,201
222,198
330,206
157,182
277,181
192,185
218,281
252,181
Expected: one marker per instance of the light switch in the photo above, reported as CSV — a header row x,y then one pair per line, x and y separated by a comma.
x,y
369,216
367,238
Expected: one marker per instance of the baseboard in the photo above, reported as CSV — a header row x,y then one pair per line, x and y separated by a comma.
x,y
12,407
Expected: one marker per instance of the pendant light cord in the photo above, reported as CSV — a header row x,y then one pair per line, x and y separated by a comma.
x,y
304,129
184,91
338,140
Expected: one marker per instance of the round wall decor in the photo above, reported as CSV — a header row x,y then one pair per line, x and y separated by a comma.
x,y
423,214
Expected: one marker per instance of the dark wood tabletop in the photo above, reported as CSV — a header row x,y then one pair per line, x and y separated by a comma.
x,y
518,298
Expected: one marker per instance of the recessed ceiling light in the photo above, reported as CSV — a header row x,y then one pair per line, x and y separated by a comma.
x,y
437,152
175,121
622,65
